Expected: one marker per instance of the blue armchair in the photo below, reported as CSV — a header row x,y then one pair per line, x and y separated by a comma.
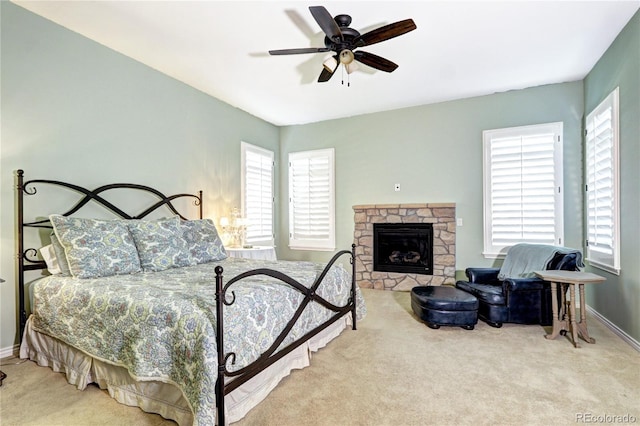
x,y
516,300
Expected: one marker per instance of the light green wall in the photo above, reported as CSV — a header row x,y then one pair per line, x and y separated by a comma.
x,y
74,110
618,299
435,153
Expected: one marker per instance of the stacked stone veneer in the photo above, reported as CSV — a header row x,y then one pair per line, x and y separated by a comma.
x,y
443,217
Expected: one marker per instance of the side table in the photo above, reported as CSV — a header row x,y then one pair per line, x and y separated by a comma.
x,y
256,252
560,323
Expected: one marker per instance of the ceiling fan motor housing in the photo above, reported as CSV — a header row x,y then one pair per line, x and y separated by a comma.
x,y
343,20
348,35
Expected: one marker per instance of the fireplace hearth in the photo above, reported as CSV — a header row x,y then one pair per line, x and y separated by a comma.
x,y
403,247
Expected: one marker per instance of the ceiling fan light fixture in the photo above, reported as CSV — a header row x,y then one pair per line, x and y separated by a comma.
x,y
346,56
330,64
351,67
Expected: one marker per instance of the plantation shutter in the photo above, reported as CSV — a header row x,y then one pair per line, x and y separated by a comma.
x,y
311,200
601,184
258,200
522,193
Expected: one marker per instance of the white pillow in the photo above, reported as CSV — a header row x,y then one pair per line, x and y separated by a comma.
x,y
50,258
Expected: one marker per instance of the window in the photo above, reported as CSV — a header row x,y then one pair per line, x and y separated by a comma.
x,y
257,193
522,187
602,183
311,200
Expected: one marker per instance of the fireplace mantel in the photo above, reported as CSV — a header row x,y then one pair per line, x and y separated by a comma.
x,y
443,218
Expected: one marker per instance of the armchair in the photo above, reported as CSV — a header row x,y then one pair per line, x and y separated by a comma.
x,y
524,300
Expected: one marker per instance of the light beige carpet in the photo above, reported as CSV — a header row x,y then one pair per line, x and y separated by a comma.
x,y
395,371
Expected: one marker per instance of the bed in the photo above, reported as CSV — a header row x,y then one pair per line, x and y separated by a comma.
x,y
132,304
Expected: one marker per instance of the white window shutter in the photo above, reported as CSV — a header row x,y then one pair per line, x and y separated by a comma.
x,y
602,201
523,175
257,198
311,200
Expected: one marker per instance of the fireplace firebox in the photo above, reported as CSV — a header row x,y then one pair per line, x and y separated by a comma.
x,y
403,247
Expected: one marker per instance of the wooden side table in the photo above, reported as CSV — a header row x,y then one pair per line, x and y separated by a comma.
x,y
560,323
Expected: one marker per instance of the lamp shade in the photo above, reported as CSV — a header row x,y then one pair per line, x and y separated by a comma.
x,y
346,57
351,67
330,64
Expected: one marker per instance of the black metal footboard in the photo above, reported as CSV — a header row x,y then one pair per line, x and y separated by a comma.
x,y
272,354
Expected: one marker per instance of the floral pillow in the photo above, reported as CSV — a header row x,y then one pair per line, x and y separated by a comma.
x,y
96,248
160,243
203,242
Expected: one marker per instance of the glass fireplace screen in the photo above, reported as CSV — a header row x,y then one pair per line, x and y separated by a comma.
x,y
403,247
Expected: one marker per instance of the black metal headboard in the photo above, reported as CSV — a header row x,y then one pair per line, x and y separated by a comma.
x,y
27,257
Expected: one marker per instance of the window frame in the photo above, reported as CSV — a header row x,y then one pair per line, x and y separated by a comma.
x,y
595,256
489,137
326,244
246,147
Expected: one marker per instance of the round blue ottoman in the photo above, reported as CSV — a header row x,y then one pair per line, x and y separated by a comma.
x,y
444,305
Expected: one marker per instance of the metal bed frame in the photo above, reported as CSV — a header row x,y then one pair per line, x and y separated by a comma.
x,y
27,261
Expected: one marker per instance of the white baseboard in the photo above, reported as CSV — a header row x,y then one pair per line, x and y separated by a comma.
x,y
10,351
624,336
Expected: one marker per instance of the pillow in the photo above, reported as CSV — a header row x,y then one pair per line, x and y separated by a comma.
x,y
61,258
96,248
160,243
49,256
202,239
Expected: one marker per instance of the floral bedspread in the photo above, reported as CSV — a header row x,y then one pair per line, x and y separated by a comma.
x,y
161,325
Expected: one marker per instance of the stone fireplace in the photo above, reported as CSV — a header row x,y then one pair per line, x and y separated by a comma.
x,y
442,220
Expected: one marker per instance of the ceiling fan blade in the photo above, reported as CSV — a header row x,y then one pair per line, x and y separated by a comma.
x,y
326,22
325,76
375,61
385,33
298,51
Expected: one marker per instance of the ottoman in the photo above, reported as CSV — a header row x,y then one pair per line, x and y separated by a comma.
x,y
444,305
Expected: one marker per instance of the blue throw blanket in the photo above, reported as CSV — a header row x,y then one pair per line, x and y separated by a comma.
x,y
523,259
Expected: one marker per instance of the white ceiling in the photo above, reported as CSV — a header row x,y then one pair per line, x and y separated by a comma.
x,y
460,48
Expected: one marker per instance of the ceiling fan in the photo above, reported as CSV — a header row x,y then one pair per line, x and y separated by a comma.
x,y
343,41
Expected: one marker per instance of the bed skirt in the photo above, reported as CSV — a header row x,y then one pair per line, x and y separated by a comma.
x,y
159,397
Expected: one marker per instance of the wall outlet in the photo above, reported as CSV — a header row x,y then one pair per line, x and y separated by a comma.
x,y
459,221
396,187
